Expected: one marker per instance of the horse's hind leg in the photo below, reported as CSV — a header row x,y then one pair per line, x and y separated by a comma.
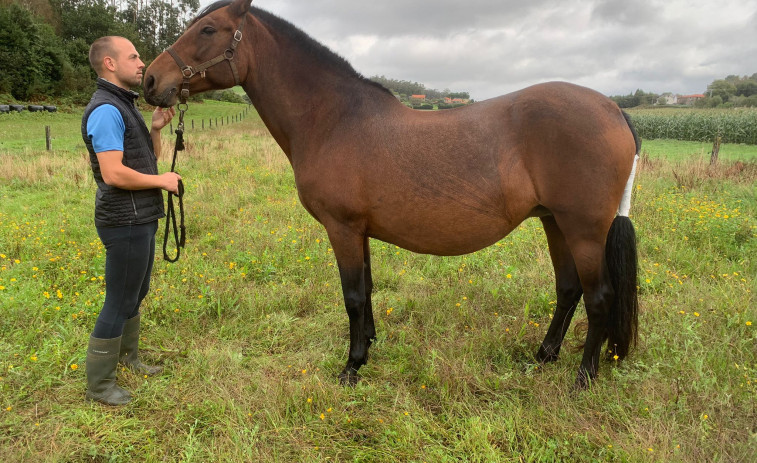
x,y
598,299
568,287
369,328
349,250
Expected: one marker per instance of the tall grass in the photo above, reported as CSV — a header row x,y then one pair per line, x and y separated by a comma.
x,y
701,125
251,328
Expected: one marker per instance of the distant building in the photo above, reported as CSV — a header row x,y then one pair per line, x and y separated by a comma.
x,y
689,99
667,99
418,98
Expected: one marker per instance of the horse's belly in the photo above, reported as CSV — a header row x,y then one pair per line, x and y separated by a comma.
x,y
440,234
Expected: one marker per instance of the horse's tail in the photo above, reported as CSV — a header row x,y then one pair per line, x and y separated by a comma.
x,y
620,254
622,263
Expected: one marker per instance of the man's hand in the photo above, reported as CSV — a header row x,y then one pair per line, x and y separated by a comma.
x,y
170,182
115,173
161,117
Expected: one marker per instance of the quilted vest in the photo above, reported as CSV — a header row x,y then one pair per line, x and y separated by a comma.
x,y
115,207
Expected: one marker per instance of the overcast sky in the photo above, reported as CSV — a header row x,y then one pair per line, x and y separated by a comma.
x,y
492,47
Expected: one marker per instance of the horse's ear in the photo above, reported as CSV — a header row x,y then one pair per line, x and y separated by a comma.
x,y
240,7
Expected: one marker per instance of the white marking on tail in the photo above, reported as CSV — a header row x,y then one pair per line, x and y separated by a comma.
x,y
625,203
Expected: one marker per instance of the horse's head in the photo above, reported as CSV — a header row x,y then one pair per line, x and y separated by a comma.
x,y
204,58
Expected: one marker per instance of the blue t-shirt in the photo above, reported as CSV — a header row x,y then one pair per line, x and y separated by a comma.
x,y
105,127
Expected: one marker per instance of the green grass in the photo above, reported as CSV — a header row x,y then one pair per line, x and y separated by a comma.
x,y
25,131
676,150
251,328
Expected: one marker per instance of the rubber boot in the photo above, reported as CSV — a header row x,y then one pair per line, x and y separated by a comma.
x,y
102,360
129,354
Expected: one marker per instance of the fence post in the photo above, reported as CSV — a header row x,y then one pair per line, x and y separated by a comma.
x,y
48,141
193,124
715,150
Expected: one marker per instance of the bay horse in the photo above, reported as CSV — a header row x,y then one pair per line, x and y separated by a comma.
x,y
437,182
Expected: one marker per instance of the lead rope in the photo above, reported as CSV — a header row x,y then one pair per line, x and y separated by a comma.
x,y
179,234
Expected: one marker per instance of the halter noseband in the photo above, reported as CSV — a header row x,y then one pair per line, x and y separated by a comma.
x,y
190,71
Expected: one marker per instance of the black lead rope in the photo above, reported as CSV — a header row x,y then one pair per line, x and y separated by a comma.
x,y
179,233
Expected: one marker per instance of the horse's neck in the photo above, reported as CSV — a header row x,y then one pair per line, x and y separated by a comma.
x,y
297,97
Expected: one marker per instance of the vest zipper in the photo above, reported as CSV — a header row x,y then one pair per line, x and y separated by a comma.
x,y
133,204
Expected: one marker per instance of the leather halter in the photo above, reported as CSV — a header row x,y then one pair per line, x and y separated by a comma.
x,y
190,71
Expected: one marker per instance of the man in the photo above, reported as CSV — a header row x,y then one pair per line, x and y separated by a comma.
x,y
129,202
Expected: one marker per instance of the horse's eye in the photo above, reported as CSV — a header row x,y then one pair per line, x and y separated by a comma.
x,y
209,30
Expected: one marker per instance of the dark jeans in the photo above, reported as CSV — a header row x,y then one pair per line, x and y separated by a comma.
x,y
129,255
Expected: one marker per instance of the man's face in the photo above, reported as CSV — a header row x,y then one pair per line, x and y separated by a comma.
x,y
126,65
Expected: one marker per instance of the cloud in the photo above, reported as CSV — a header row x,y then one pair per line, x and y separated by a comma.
x,y
490,47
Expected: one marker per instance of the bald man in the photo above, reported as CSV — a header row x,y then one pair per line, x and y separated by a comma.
x,y
123,155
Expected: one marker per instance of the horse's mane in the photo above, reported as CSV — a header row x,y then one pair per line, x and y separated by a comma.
x,y
296,35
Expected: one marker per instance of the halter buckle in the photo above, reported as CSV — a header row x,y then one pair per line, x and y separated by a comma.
x,y
238,36
187,72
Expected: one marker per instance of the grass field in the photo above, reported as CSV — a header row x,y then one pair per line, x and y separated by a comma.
x,y
732,125
25,131
252,331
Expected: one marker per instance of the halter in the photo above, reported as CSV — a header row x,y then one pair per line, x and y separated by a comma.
x,y
190,71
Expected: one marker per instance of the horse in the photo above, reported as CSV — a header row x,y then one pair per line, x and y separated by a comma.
x,y
445,182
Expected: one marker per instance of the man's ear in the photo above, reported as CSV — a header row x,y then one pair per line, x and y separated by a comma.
x,y
109,63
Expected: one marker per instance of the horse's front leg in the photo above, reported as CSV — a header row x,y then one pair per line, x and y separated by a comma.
x,y
350,256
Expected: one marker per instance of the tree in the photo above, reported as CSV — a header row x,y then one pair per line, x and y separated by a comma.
x,y
746,87
159,23
638,98
30,55
721,88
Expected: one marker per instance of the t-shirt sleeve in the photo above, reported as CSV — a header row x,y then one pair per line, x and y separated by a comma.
x,y
105,127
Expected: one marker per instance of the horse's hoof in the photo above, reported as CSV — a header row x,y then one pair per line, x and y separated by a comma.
x,y
543,356
349,378
583,380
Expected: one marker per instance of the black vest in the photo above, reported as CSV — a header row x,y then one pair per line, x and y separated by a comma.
x,y
115,207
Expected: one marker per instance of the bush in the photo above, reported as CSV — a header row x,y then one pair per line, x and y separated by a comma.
x,y
450,106
224,95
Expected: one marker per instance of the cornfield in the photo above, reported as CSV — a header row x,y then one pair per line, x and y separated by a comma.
x,y
702,125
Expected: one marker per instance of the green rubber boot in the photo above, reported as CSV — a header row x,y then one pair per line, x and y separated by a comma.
x,y
102,360
129,354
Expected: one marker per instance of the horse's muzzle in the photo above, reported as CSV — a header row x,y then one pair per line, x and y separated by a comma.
x,y
165,99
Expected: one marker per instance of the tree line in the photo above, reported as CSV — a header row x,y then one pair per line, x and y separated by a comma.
x,y
405,88
732,91
44,44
